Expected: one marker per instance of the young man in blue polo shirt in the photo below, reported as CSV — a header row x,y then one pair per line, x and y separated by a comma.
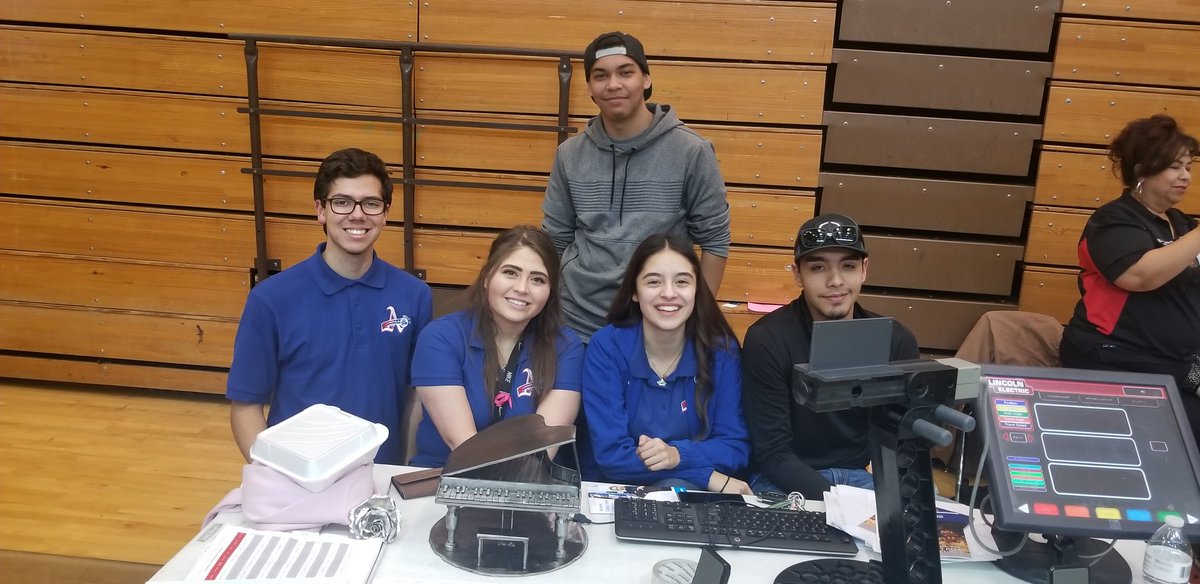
x,y
338,328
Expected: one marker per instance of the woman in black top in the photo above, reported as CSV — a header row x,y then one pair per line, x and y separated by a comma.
x,y
1140,256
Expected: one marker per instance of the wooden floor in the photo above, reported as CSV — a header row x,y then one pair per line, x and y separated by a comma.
x,y
117,474
98,472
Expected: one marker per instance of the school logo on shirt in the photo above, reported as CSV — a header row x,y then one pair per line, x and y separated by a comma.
x,y
526,389
393,324
683,406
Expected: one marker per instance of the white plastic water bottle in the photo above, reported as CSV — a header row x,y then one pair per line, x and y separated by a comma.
x,y
1168,557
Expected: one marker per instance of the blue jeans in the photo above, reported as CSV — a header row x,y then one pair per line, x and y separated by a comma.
x,y
854,477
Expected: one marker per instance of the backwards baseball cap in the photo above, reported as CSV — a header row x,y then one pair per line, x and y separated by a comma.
x,y
616,43
829,231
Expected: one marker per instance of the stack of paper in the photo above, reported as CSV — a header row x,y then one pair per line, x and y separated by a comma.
x,y
239,554
852,510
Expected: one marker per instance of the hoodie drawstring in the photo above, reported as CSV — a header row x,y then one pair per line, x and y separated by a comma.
x,y
612,183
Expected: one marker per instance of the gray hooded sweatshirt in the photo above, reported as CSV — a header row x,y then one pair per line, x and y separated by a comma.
x,y
604,197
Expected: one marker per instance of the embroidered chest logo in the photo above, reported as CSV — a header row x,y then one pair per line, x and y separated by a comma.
x,y
526,389
683,406
393,324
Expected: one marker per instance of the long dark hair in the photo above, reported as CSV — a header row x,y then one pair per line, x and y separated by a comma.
x,y
544,327
706,326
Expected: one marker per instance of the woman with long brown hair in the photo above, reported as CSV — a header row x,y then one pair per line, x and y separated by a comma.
x,y
505,355
662,382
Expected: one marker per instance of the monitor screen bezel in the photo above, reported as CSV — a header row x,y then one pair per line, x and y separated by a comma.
x,y
1006,517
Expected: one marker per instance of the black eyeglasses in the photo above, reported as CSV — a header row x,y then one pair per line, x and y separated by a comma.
x,y
818,236
346,205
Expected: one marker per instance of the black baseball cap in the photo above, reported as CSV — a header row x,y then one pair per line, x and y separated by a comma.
x,y
829,231
616,43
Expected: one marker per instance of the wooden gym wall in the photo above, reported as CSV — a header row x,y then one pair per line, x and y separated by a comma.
x,y
128,222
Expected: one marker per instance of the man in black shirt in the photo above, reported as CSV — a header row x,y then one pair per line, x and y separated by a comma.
x,y
794,448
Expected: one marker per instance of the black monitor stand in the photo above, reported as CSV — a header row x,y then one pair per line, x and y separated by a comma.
x,y
1034,561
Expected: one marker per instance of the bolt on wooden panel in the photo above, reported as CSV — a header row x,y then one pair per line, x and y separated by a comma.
x,y
927,204
1012,25
1054,236
943,82
1052,291
930,143
768,217
123,118
943,265
1174,10
1128,52
122,61
1079,113
360,19
126,176
793,32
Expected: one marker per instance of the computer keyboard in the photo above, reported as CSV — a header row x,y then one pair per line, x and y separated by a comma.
x,y
730,525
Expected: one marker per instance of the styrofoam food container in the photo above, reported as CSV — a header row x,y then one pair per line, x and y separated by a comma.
x,y
319,445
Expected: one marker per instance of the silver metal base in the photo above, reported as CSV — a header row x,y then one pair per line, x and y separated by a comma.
x,y
538,527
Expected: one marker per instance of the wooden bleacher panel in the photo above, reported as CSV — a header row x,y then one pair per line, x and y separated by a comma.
x,y
1093,114
942,265
122,61
451,257
766,156
755,274
1075,177
776,94
797,32
329,75
123,375
477,207
315,138
497,150
1176,10
125,176
747,155
1054,236
202,239
1128,52
1052,291
769,217
366,19
123,118
112,334
112,284
939,324
948,206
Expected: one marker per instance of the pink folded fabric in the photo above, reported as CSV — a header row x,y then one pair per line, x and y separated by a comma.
x,y
271,500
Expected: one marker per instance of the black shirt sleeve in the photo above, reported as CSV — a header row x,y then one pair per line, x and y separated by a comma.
x,y
767,404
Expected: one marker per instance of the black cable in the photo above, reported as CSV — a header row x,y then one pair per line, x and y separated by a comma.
x,y
585,520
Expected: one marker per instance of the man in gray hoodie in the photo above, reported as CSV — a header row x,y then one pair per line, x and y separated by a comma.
x,y
635,171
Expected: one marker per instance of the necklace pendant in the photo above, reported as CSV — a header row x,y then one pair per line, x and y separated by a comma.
x,y
661,382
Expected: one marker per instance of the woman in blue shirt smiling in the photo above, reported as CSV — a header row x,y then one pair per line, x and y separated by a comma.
x,y
662,383
506,355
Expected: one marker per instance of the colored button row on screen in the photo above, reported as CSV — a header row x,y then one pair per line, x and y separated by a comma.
x,y
1100,512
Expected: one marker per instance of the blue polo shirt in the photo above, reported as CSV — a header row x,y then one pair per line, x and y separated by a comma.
x,y
450,353
310,336
622,400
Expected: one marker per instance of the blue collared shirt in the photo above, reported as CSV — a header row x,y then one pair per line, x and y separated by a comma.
x,y
450,353
622,400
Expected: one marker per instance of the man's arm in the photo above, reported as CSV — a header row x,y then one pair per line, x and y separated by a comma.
x,y
708,214
712,268
767,403
247,421
558,211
